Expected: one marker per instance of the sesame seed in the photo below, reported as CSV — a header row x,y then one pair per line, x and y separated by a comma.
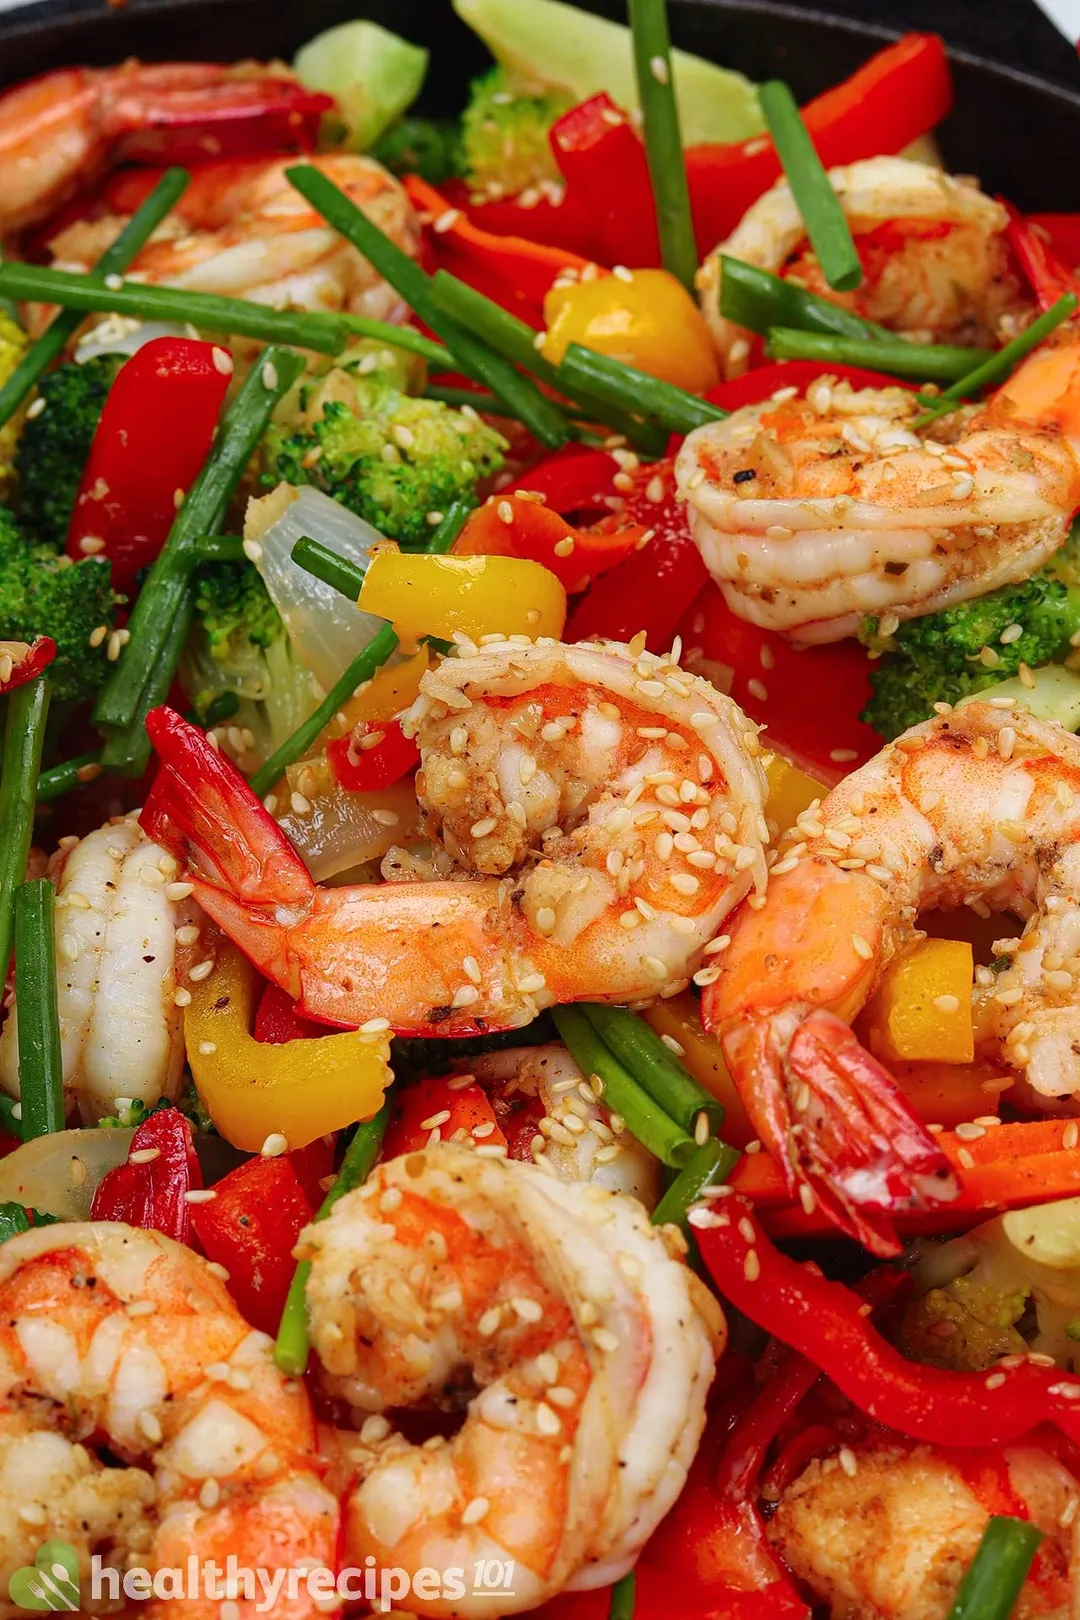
x,y
480,829
603,1338
144,1155
848,1462
1070,1135
222,361
947,1004
530,1310
862,947
200,1195
968,1131
201,970
269,376
476,1509
965,1158
275,1144
490,1321
150,1428
751,1266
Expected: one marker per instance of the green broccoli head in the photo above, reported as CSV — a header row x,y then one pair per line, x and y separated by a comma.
x,y
943,657
504,134
55,443
42,594
429,147
234,609
392,459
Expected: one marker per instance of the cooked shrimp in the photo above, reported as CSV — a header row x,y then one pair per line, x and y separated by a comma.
x,y
124,929
893,1538
600,811
812,511
586,1347
123,1340
936,262
241,229
60,131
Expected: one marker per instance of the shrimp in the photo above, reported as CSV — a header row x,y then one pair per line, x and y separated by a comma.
x,y
598,812
812,511
61,131
588,1347
893,1538
978,806
936,260
125,932
242,230
123,1340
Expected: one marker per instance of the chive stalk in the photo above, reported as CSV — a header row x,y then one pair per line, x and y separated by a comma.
x,y
999,365
41,1070
361,1155
400,337
71,773
998,1571
622,1093
329,566
27,709
754,298
663,139
126,751
219,548
623,1598
115,259
926,362
712,1164
628,389
821,209
655,1067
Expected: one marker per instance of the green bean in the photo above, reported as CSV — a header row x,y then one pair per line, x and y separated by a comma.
x,y
631,390
202,512
219,548
622,1094
999,1569
361,1155
655,1067
41,1069
72,773
126,751
318,330
1000,364
930,362
623,1598
27,708
711,1165
115,259
663,140
521,395
329,566
822,211
757,300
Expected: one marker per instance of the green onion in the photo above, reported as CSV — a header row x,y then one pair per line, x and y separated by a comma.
x,y
126,751
711,1164
116,258
41,1069
630,390
542,418
622,1094
1000,364
291,1348
329,566
931,362
654,1066
998,1571
219,548
400,337
817,202
27,708
203,510
61,779
363,667
663,140
319,330
482,400
757,300
623,1598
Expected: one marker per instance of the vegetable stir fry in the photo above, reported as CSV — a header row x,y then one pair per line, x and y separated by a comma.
x,y
539,842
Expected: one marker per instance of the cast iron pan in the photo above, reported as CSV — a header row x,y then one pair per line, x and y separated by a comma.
x,y
1018,133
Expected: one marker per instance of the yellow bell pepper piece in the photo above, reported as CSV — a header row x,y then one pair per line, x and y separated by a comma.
x,y
252,1089
678,1018
478,596
392,688
921,1009
645,318
791,792
950,1094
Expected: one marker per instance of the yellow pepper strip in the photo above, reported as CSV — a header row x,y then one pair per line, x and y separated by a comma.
x,y
921,1009
678,1017
392,688
791,792
477,596
251,1089
644,318
950,1093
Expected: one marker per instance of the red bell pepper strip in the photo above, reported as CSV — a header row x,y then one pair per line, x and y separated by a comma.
x,y
898,95
250,1227
511,526
453,1106
154,435
26,660
576,482
602,159
277,1020
760,384
1063,233
558,219
151,1192
391,756
1048,277
831,1327
652,589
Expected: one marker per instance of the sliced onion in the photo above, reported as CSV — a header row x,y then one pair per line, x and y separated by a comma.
x,y
327,630
123,334
341,830
58,1174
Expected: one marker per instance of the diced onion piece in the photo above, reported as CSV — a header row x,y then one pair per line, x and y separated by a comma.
x,y
58,1174
339,830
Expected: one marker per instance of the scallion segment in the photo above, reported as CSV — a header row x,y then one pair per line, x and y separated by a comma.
x,y
400,337
361,1155
628,389
72,773
655,1067
127,750
924,362
821,210
210,312
623,1598
622,1093
521,395
41,1069
115,259
998,1571
711,1165
24,731
663,140
753,298
329,566
999,365
219,548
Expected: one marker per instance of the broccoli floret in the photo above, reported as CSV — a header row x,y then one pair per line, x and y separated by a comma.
x,y
42,594
504,134
238,617
388,457
965,1326
946,656
13,343
429,147
55,443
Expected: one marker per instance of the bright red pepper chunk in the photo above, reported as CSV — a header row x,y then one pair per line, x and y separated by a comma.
x,y
455,1107
390,756
510,526
154,435
151,1192
577,483
250,1227
602,160
277,1020
27,659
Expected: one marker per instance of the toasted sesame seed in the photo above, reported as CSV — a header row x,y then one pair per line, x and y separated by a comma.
x,y
862,947
751,1266
275,1144
475,1510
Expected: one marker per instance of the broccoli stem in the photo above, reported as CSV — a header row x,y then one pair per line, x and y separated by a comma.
x,y
115,259
41,1068
928,362
27,709
166,587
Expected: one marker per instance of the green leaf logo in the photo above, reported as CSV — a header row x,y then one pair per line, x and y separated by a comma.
x,y
50,1582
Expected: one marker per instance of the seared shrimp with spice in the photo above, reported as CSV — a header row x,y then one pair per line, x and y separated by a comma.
x,y
578,1346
